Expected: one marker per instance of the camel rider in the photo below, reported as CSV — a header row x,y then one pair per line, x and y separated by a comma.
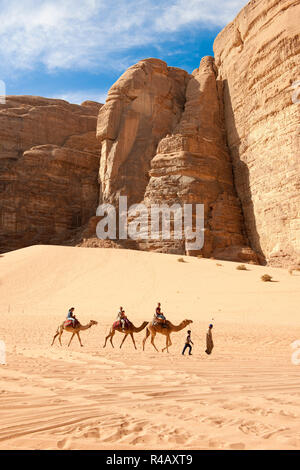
x,y
159,316
72,317
122,318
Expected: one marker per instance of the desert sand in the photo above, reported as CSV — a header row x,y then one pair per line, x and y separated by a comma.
x,y
244,396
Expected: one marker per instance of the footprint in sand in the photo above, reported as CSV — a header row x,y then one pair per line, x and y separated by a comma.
x,y
256,428
178,436
287,414
121,432
215,444
64,443
143,439
237,446
92,433
214,421
260,411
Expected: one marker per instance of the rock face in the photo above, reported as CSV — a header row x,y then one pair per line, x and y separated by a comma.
x,y
143,106
49,161
226,136
163,141
257,56
193,166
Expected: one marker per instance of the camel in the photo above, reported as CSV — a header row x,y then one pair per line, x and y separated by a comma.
x,y
158,328
74,331
128,331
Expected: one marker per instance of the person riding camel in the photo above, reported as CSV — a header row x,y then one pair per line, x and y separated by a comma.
x,y
72,317
122,318
159,316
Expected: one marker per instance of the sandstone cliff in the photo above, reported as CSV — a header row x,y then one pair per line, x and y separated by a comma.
x,y
226,136
162,140
49,162
257,56
142,107
193,166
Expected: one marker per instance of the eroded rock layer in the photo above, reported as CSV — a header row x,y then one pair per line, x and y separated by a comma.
x,y
257,56
226,136
49,161
143,106
163,141
193,166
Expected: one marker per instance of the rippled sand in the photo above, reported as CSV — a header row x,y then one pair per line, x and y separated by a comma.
x,y
244,396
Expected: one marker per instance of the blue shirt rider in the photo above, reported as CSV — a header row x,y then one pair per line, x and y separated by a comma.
x,y
71,317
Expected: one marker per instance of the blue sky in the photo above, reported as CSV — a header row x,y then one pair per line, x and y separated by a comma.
x,y
76,49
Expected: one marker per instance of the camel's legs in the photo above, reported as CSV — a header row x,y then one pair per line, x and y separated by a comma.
x,y
125,336
167,339
78,336
152,340
168,343
144,340
112,334
132,337
59,338
56,334
71,339
108,336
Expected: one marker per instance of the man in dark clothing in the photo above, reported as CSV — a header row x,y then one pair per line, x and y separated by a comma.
x,y
188,343
209,340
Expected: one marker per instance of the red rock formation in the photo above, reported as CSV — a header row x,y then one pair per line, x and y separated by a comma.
x,y
49,161
258,60
193,166
226,136
190,164
142,107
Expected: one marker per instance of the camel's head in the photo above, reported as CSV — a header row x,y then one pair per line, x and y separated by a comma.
x,y
187,322
93,322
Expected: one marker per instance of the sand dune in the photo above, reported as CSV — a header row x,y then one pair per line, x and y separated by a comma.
x,y
244,396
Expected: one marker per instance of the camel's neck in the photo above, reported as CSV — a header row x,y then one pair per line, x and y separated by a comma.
x,y
140,328
85,327
178,327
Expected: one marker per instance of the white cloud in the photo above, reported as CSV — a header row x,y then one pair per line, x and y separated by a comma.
x,y
204,12
79,96
93,34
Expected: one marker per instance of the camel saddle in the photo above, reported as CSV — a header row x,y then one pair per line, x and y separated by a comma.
x,y
156,322
117,324
70,323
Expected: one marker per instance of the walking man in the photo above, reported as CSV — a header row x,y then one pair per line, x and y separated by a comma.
x,y
188,343
209,340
